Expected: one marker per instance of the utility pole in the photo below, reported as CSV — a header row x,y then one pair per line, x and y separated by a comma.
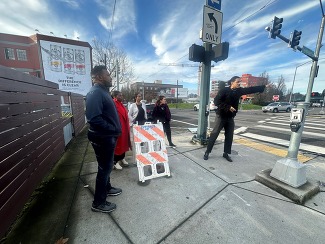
x,y
177,94
288,169
117,76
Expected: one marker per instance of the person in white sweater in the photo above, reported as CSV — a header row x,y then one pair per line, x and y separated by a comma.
x,y
137,111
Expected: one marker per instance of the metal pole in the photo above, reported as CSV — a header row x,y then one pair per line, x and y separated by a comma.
x,y
177,94
143,90
296,136
289,170
204,95
294,77
117,77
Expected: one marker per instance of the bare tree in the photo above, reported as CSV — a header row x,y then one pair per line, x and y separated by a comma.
x,y
266,96
116,61
281,87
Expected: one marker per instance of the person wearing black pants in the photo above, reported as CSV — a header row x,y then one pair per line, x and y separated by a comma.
x,y
161,112
104,129
227,102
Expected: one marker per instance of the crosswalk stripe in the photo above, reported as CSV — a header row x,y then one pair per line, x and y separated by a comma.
x,y
275,151
288,130
305,126
305,147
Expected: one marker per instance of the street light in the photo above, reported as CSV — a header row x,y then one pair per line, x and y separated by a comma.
x,y
294,76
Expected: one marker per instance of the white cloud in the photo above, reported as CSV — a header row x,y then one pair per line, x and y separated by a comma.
x,y
72,3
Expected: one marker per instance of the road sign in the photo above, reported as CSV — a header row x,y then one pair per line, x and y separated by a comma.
x,y
216,4
212,25
276,97
308,52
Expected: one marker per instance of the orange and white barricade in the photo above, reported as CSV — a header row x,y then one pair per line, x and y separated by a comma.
x,y
150,150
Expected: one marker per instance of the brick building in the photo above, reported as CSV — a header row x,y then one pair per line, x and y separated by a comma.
x,y
60,60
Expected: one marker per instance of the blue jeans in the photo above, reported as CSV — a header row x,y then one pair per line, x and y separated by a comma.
x,y
104,150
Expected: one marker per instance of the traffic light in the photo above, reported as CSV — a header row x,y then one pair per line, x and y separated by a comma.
x,y
276,27
196,53
295,38
220,51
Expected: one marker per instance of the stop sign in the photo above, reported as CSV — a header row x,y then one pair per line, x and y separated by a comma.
x,y
276,97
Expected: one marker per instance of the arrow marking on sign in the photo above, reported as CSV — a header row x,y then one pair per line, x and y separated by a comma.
x,y
212,18
215,1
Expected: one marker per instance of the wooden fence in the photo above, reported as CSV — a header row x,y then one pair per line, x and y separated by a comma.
x,y
31,136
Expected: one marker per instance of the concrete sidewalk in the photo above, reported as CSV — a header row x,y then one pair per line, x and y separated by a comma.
x,y
211,201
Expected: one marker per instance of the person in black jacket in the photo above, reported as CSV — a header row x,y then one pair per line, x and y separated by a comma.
x,y
104,129
161,112
227,102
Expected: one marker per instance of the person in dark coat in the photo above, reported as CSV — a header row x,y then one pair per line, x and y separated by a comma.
x,y
161,112
227,102
104,129
123,141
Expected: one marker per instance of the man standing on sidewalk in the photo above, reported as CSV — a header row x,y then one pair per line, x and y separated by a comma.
x,y
227,102
104,129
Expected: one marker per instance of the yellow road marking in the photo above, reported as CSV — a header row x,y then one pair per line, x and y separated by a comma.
x,y
275,151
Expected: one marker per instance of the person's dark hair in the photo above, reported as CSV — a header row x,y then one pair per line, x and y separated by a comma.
x,y
115,93
135,96
232,79
161,97
97,70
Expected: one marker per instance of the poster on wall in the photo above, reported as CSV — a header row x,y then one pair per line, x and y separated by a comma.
x,y
67,65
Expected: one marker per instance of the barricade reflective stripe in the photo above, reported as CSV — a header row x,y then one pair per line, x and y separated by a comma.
x,y
150,149
145,133
143,159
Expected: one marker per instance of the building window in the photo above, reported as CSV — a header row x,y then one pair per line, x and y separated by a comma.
x,y
9,53
21,55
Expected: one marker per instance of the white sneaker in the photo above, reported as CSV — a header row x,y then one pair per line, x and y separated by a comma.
x,y
118,166
124,162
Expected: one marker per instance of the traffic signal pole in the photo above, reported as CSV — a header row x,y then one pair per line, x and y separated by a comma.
x,y
204,95
288,169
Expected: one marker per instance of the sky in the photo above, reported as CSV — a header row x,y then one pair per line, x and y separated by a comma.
x,y
153,32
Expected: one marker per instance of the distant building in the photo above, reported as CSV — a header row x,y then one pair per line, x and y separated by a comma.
x,y
60,60
153,90
249,80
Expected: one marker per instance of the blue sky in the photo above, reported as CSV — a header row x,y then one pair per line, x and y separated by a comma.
x,y
161,31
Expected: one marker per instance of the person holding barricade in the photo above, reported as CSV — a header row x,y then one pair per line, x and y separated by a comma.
x,y
162,113
227,102
123,142
138,111
104,129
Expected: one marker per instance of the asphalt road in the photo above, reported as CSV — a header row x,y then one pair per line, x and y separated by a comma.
x,y
275,125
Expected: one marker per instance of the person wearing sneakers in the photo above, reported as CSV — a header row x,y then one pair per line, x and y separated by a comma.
x,y
104,129
123,141
161,112
227,102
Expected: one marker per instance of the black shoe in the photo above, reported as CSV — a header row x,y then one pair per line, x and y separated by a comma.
x,y
106,207
114,191
172,145
206,156
226,156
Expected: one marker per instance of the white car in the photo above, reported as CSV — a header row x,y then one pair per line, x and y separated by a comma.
x,y
277,107
212,106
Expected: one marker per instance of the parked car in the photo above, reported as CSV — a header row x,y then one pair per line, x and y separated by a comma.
x,y
277,107
212,106
149,107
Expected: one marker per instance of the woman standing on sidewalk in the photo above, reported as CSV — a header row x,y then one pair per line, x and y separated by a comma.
x,y
123,141
138,111
161,112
